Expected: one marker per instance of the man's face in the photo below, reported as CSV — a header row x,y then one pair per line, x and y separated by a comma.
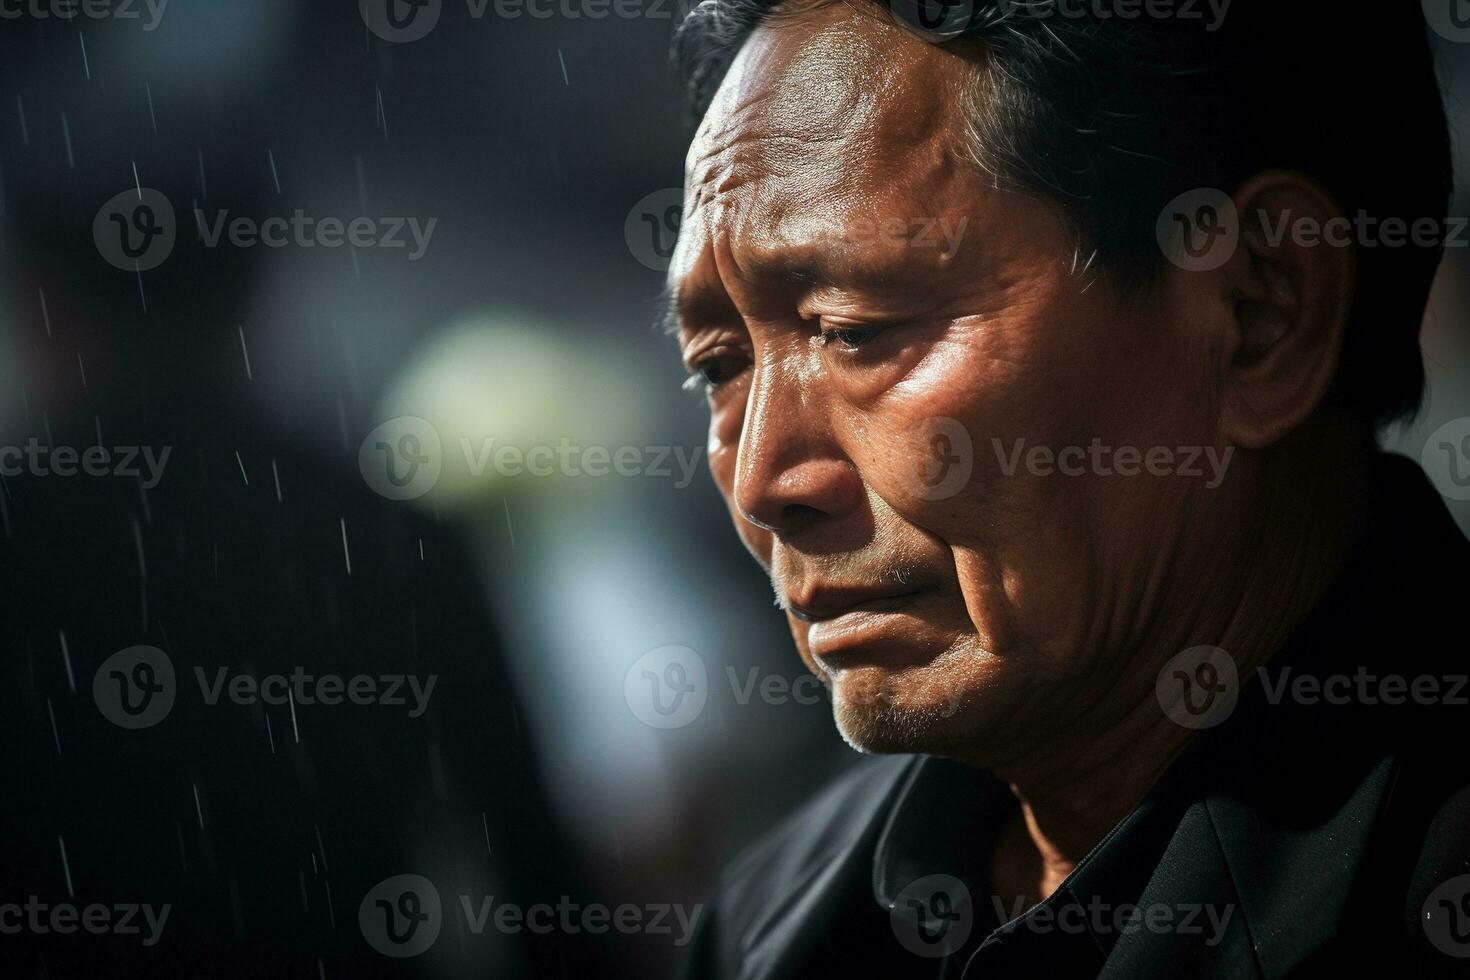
x,y
880,328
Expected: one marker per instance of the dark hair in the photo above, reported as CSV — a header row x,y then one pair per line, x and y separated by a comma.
x,y
1112,118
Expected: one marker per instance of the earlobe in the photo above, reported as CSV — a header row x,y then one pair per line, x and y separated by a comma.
x,y
1291,284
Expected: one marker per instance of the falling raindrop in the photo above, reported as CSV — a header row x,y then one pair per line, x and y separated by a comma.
x,y
55,735
71,679
346,555
66,867
322,847
246,352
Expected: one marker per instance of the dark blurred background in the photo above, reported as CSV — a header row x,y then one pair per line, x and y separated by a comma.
x,y
617,707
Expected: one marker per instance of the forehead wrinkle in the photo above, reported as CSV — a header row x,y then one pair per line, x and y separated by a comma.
x,y
822,119
816,79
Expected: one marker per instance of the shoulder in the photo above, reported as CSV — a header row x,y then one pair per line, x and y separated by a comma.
x,y
802,862
839,816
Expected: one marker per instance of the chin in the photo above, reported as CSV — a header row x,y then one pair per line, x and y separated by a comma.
x,y
880,712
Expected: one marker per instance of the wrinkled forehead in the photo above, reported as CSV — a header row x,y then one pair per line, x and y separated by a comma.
x,y
834,90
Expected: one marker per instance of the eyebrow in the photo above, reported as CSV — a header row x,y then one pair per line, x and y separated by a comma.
x,y
674,305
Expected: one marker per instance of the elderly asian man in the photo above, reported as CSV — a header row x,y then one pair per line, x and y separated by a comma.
x,y
1046,347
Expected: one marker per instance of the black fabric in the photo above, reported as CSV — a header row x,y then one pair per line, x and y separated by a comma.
x,y
1305,837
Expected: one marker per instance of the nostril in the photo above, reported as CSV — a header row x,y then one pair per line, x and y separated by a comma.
x,y
756,521
796,515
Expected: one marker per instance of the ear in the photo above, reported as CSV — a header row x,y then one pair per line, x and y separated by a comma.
x,y
1289,287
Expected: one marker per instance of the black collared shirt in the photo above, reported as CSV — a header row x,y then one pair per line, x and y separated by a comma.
x,y
1316,830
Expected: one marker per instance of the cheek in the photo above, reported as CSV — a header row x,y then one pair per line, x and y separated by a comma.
x,y
927,447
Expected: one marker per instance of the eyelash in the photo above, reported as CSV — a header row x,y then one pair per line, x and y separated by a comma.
x,y
867,332
698,378
849,338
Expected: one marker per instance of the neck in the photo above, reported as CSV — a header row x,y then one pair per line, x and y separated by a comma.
x,y
1262,576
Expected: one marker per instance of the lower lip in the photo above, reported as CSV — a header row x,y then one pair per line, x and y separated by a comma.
x,y
859,630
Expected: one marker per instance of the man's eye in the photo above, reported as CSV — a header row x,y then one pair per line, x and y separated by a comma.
x,y
711,372
849,336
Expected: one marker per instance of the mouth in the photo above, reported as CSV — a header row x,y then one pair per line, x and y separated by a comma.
x,y
827,604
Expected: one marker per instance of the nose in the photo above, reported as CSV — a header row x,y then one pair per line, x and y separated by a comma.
x,y
790,473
